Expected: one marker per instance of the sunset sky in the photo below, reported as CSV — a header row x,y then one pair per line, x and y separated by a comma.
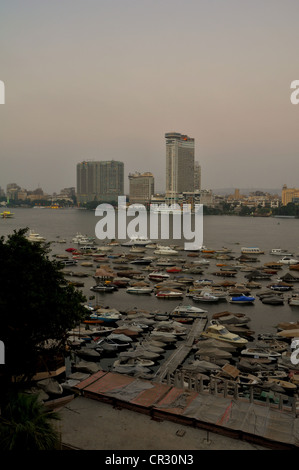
x,y
105,79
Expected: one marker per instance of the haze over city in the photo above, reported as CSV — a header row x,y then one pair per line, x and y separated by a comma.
x,y
106,80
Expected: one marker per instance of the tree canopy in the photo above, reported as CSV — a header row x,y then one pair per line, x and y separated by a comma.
x,y
37,305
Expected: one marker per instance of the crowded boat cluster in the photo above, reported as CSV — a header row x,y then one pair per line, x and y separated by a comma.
x,y
157,344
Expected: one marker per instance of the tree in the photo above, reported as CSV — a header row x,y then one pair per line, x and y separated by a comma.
x,y
25,424
37,306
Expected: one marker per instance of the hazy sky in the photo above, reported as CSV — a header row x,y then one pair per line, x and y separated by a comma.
x,y
105,79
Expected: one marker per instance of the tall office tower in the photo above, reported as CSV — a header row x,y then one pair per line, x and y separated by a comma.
x,y
179,165
101,181
141,187
197,176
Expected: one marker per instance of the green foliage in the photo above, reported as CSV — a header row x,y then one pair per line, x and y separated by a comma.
x,y
25,424
36,304
291,209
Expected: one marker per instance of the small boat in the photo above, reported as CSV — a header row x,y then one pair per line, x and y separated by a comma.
x,y
272,374
139,290
251,251
68,262
7,214
137,249
294,300
143,261
169,294
106,315
103,288
115,344
165,250
280,252
82,239
272,300
281,286
35,237
241,299
184,313
218,331
231,318
288,260
173,269
206,297
137,241
158,276
260,352
283,383
184,279
133,361
226,273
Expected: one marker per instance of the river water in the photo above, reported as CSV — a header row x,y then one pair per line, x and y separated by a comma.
x,y
231,232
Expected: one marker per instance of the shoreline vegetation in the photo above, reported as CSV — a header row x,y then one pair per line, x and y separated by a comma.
x,y
291,210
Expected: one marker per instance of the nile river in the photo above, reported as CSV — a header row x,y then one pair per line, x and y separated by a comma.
x,y
219,231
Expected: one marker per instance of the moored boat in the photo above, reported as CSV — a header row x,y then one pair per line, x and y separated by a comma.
x,y
218,331
139,290
241,299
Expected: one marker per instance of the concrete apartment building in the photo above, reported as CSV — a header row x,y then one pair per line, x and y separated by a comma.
x,y
142,186
101,181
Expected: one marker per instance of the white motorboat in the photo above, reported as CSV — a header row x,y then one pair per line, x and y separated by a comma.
x,y
280,252
186,313
137,241
158,276
288,260
139,290
165,251
82,239
35,237
206,297
294,300
106,315
169,294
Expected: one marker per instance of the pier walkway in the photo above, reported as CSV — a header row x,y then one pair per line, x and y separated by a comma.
x,y
170,365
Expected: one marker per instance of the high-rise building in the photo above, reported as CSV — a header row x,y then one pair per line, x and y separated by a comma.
x,y
197,176
142,187
179,165
101,181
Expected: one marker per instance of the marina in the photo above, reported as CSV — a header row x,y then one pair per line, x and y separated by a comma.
x,y
165,346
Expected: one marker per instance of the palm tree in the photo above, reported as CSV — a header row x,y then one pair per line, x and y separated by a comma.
x,y
25,424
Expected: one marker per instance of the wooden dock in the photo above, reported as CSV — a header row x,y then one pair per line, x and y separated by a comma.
x,y
170,365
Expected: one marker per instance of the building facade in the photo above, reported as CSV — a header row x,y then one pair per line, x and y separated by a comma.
x,y
197,176
142,186
101,181
179,165
289,195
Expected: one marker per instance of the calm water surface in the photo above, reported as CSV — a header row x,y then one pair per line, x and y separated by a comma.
x,y
219,231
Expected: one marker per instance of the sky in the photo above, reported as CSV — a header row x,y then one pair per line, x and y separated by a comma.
x,y
106,79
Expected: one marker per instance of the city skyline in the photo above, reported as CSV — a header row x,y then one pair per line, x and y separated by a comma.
x,y
105,81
